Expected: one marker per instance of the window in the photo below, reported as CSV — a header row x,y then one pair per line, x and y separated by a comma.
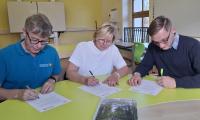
x,y
140,13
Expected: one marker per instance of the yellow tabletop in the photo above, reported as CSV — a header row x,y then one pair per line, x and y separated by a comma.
x,y
83,105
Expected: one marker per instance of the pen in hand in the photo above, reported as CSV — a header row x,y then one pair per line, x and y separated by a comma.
x,y
91,73
94,80
161,72
30,89
159,81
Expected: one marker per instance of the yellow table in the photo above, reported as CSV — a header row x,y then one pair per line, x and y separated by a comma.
x,y
83,105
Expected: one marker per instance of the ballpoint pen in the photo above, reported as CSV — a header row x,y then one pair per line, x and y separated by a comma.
x,y
30,88
161,72
93,76
91,73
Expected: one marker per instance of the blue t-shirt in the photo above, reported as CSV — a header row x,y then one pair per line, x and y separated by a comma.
x,y
19,69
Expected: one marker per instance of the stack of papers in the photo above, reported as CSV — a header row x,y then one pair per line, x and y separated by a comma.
x,y
101,90
48,101
148,87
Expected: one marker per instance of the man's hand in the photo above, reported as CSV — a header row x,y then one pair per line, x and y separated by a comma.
x,y
113,79
91,81
48,86
135,79
167,82
27,94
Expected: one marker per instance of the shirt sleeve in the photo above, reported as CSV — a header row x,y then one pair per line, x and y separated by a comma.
x,y
118,59
2,69
57,66
76,55
147,62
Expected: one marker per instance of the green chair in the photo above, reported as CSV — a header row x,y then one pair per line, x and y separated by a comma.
x,y
138,52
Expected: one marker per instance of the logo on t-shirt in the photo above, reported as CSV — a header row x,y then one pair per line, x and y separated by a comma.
x,y
46,65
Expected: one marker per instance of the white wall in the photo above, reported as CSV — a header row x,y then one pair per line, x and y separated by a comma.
x,y
124,12
184,14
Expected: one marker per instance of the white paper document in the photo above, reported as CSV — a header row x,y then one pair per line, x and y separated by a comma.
x,y
148,87
48,101
101,90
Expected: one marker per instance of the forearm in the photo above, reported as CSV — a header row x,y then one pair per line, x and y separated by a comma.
x,y
188,81
76,77
144,68
54,77
11,94
73,75
122,71
146,65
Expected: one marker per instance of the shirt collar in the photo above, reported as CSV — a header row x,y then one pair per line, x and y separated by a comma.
x,y
22,51
19,48
176,41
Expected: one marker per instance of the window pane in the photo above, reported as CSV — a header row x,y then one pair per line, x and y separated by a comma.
x,y
137,5
146,5
146,22
138,22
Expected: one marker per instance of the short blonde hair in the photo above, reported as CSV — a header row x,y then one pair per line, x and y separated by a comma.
x,y
107,28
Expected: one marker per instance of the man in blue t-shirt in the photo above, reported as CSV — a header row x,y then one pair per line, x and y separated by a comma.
x,y
176,57
29,63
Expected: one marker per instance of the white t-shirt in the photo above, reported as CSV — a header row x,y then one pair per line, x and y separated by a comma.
x,y
88,57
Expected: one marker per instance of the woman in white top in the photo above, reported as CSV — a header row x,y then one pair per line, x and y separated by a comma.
x,y
97,57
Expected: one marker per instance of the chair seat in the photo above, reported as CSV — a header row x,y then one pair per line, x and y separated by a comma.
x,y
138,52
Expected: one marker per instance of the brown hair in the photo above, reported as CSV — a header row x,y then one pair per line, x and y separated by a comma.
x,y
38,24
158,23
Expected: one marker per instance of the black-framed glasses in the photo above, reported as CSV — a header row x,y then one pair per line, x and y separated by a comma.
x,y
36,41
164,41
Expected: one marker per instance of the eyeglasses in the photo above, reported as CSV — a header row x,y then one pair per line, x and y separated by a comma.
x,y
164,41
104,41
36,41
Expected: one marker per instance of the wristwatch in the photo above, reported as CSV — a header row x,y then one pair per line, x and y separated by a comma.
x,y
137,73
53,78
118,75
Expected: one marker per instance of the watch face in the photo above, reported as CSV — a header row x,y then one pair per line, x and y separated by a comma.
x,y
53,78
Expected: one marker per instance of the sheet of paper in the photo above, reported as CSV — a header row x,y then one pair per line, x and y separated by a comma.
x,y
48,101
101,90
148,87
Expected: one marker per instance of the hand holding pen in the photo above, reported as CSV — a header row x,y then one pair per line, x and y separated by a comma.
x,y
29,94
166,81
161,72
91,73
159,79
91,81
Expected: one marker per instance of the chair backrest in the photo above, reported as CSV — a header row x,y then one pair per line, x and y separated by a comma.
x,y
136,34
138,52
